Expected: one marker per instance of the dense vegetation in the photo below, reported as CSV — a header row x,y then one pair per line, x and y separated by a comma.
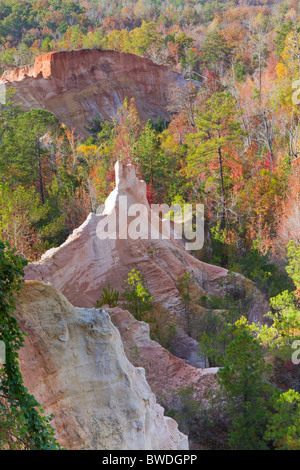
x,y
23,424
233,146
257,404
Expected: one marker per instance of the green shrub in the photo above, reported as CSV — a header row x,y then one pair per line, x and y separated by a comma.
x,y
137,295
109,297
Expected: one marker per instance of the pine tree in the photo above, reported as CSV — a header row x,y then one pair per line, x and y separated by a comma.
x,y
210,147
23,156
248,395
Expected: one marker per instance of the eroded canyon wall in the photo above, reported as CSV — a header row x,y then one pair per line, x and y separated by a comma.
x,y
74,363
82,266
78,86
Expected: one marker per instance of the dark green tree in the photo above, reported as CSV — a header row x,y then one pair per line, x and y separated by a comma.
x,y
243,379
23,155
217,130
217,52
152,160
31,427
284,426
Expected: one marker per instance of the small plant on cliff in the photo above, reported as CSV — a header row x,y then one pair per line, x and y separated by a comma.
x,y
137,295
109,297
184,408
23,424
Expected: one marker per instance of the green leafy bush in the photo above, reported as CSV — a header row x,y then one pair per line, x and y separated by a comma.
x,y
137,295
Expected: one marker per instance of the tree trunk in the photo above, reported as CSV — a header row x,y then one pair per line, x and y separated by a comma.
x,y
223,217
40,172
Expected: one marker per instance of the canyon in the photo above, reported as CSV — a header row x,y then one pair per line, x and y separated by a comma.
x,y
98,370
104,375
87,262
82,85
